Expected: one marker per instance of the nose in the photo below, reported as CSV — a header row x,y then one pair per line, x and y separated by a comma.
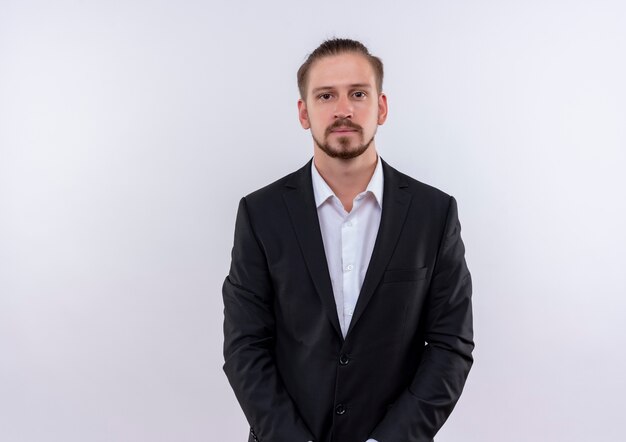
x,y
343,108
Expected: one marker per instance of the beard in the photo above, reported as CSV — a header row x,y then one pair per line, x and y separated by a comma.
x,y
344,152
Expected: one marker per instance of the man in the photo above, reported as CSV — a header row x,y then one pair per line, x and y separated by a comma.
x,y
347,308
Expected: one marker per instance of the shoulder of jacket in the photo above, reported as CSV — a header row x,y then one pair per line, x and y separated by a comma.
x,y
271,192
419,188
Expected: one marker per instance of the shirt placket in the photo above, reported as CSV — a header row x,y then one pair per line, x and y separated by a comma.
x,y
350,265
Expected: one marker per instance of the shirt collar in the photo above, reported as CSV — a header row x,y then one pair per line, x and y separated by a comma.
x,y
322,190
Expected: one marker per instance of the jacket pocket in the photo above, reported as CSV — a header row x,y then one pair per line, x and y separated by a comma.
x,y
404,275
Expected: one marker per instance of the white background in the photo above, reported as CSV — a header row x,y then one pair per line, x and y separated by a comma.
x,y
130,129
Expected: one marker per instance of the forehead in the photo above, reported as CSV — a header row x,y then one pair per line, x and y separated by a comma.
x,y
341,70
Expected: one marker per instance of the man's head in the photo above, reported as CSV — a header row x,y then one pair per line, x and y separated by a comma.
x,y
341,97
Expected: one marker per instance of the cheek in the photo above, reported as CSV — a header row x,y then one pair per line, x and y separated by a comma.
x,y
317,126
371,122
370,113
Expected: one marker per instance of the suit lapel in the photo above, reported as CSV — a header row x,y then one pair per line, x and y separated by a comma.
x,y
396,203
300,203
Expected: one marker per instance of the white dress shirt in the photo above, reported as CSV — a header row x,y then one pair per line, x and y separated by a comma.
x,y
348,238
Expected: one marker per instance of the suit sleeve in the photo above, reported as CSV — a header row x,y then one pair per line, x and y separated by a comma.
x,y
422,408
249,335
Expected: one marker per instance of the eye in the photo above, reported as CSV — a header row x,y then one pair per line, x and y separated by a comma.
x,y
360,94
324,97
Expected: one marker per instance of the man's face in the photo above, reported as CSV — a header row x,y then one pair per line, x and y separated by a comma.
x,y
342,106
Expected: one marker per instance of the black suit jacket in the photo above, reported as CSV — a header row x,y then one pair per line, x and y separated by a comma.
x,y
401,368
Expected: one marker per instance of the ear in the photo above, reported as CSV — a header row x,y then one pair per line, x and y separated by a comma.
x,y
303,114
382,108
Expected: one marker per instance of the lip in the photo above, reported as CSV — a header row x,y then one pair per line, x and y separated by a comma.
x,y
341,131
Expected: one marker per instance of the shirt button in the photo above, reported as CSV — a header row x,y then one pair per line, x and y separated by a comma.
x,y
349,267
340,409
349,224
344,359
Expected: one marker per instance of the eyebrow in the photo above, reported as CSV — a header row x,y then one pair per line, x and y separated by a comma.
x,y
351,86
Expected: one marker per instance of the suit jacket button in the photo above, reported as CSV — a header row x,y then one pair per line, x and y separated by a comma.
x,y
340,409
344,359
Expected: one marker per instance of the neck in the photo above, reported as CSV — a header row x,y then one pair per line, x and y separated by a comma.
x,y
346,178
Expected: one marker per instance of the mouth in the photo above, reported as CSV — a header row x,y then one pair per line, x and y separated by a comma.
x,y
343,130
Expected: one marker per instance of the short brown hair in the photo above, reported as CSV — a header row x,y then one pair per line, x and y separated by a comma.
x,y
336,46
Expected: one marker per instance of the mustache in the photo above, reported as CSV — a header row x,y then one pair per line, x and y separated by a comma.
x,y
343,122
